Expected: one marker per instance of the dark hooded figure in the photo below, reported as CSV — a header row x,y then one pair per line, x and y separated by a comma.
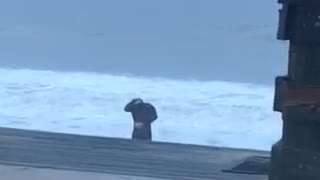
x,y
143,115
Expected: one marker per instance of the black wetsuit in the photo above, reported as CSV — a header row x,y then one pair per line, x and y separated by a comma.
x,y
143,115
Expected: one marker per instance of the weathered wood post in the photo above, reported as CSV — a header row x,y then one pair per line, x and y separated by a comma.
x,y
297,95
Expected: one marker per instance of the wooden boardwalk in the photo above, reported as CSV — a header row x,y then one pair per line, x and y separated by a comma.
x,y
121,156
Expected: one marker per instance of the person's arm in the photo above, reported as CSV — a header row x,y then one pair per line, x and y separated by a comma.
x,y
128,107
152,113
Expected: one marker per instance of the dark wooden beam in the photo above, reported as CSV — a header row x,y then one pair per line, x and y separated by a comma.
x,y
297,155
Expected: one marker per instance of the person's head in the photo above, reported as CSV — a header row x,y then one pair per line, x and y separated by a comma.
x,y
137,101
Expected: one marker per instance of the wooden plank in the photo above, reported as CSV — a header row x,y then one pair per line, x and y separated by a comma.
x,y
120,156
30,173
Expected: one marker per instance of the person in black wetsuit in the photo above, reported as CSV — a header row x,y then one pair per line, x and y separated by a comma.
x,y
144,114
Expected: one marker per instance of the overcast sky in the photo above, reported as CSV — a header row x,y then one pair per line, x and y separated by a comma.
x,y
201,39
